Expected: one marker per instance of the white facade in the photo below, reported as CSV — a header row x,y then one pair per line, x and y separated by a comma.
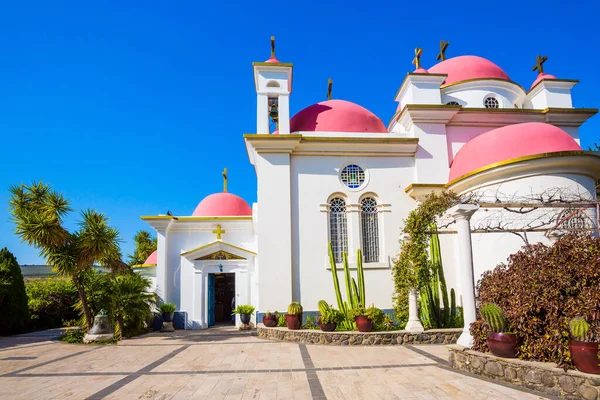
x,y
279,253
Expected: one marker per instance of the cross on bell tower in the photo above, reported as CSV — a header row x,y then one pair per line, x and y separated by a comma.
x,y
417,60
539,64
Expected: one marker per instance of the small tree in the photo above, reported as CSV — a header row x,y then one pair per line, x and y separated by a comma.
x,y
145,244
13,298
38,214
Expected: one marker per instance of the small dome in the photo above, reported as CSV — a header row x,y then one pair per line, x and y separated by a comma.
x,y
420,70
336,116
463,68
222,204
272,60
508,142
151,260
540,77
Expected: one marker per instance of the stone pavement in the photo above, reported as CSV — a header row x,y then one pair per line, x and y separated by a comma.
x,y
221,363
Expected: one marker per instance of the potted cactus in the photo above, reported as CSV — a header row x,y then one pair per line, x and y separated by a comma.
x,y
584,352
329,317
245,311
293,318
500,341
364,317
168,311
270,319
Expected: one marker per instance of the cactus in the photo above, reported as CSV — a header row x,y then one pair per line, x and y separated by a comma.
x,y
433,314
579,329
323,307
294,309
494,317
361,277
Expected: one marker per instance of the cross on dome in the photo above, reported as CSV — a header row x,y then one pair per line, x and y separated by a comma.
x,y
443,47
539,64
417,60
329,87
225,178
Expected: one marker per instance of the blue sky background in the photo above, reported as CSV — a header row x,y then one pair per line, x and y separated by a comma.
x,y
134,108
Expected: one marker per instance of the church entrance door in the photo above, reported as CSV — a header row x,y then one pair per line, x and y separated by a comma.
x,y
221,292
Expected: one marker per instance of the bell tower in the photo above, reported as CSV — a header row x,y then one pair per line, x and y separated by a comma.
x,y
273,82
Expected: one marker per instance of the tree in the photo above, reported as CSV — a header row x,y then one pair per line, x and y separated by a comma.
x,y
145,244
38,213
13,298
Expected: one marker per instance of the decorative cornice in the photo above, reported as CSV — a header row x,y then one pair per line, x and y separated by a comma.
x,y
482,80
569,83
266,64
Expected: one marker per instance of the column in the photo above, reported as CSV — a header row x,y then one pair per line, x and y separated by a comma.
x,y
262,113
462,214
414,323
283,108
161,264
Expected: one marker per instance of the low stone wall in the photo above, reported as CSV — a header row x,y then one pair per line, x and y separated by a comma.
x,y
311,336
543,377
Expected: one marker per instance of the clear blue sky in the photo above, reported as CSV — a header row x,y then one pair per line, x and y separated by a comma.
x,y
134,108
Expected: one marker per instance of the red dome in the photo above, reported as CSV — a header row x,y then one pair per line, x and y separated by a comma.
x,y
152,258
540,77
508,142
222,204
468,67
336,116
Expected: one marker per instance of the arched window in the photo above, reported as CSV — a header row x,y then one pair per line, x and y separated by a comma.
x,y
338,227
491,102
370,230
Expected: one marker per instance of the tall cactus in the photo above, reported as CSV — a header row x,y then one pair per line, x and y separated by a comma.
x,y
361,278
432,313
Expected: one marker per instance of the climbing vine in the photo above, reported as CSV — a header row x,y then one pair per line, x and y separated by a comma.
x,y
412,267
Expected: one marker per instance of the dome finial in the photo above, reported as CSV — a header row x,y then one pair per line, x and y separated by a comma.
x,y
329,87
272,46
443,47
417,59
539,64
224,173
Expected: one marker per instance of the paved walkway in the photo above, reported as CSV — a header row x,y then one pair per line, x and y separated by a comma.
x,y
221,363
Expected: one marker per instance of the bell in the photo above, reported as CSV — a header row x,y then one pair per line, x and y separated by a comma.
x,y
101,325
273,113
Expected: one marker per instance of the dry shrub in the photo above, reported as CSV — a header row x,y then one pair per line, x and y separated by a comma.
x,y
540,290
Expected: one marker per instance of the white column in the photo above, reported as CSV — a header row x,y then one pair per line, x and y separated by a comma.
x,y
283,108
161,264
262,113
414,323
462,214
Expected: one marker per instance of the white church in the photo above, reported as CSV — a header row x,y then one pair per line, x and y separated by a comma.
x,y
334,172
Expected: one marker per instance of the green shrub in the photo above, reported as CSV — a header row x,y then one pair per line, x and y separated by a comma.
x,y
373,313
331,316
51,301
387,324
243,309
167,308
540,290
310,323
14,312
73,336
281,320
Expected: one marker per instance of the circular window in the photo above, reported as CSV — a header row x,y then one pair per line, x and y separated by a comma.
x,y
452,103
491,102
353,176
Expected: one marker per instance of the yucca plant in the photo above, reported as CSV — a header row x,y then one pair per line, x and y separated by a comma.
x,y
579,329
494,317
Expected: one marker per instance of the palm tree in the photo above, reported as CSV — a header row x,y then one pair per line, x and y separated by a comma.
x,y
145,244
38,213
129,300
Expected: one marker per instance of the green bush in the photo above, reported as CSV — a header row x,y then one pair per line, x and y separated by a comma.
x,y
14,312
281,319
51,301
243,309
540,290
73,336
167,308
310,323
331,316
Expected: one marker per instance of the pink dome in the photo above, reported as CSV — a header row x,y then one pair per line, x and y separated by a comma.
x,y
420,70
222,204
336,116
540,77
152,258
272,60
468,67
508,142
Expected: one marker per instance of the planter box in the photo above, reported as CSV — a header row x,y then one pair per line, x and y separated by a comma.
x,y
539,376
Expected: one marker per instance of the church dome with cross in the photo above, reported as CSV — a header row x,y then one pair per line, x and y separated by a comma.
x,y
463,68
222,204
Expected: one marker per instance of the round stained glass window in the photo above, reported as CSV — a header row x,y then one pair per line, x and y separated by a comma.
x,y
353,176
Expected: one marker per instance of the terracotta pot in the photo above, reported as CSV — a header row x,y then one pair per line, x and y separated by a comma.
x,y
364,324
503,344
293,321
585,356
269,320
326,327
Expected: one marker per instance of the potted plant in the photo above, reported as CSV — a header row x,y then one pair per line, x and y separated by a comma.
x,y
364,317
500,341
329,317
167,310
293,318
245,311
270,319
584,352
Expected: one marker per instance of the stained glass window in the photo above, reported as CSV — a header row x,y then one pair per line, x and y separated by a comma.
x,y
353,176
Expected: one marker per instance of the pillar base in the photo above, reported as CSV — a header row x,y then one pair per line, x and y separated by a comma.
x,y
414,326
465,339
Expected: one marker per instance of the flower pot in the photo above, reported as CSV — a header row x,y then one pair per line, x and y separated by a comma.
x,y
269,320
364,324
327,327
293,321
503,344
245,318
168,317
585,356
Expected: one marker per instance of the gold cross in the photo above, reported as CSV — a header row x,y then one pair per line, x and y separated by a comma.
x,y
417,59
443,47
539,64
224,179
218,232
272,46
329,87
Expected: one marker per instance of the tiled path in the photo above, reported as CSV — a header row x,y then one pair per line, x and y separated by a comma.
x,y
221,363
